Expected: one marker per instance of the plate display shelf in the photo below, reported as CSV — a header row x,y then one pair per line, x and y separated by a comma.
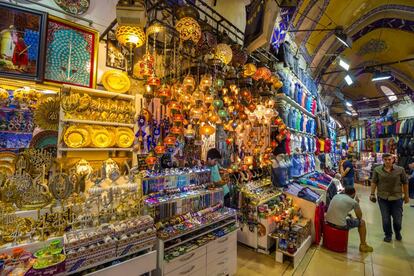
x,y
93,93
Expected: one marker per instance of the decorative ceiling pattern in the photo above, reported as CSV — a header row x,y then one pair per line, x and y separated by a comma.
x,y
382,31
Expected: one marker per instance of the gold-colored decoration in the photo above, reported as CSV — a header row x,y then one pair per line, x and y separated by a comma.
x,y
189,29
84,103
46,116
207,130
224,53
77,136
124,137
130,36
116,81
100,137
70,102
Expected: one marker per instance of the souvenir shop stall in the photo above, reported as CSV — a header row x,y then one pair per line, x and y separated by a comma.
x,y
112,176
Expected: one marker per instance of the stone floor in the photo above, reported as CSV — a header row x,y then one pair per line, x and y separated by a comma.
x,y
395,258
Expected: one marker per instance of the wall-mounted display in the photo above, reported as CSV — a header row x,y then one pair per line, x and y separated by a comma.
x,y
71,53
115,55
22,42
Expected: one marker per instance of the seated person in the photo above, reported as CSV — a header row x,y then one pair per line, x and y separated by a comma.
x,y
338,215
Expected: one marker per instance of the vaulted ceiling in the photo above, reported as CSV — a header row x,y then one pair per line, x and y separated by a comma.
x,y
382,32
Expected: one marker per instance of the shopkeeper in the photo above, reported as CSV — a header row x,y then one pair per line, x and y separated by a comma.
x,y
213,159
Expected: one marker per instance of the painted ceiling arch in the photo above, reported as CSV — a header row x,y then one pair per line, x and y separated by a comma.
x,y
382,31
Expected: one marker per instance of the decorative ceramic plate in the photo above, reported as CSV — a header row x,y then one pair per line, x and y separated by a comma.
x,y
77,137
44,139
116,81
73,6
100,137
40,265
8,156
124,137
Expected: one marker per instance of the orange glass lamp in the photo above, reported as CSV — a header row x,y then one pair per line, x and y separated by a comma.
x,y
206,82
164,93
176,130
159,149
249,69
151,159
189,83
174,106
178,118
170,140
207,130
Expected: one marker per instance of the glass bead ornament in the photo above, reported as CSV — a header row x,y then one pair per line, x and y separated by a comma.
x,y
130,36
189,29
223,53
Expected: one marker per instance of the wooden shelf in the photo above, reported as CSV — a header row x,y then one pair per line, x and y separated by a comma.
x,y
295,104
95,149
96,92
92,122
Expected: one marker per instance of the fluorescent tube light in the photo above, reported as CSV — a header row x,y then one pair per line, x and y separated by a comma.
x,y
348,80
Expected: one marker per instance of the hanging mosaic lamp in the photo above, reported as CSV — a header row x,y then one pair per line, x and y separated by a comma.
x,y
207,130
189,29
208,100
223,53
218,103
148,92
213,118
249,70
206,82
155,28
189,132
189,83
174,106
164,93
151,159
170,140
222,113
159,148
130,36
154,81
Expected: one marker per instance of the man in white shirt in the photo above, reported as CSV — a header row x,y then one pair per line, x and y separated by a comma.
x,y
338,215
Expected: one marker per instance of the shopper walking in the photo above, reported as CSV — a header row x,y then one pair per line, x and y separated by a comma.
x,y
391,184
348,172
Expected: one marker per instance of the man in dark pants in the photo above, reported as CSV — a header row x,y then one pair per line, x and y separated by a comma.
x,y
392,184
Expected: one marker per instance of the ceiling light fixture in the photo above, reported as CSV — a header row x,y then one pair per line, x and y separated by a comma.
x,y
348,80
348,112
343,37
344,64
379,76
348,103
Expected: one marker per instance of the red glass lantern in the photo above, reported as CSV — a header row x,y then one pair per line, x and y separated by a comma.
x,y
169,141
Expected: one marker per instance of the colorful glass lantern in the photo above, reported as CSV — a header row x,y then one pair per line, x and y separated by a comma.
x,y
213,117
206,82
189,132
178,118
196,112
164,93
170,140
208,100
222,113
197,96
155,28
174,106
207,130
148,92
159,148
239,55
219,83
223,53
130,36
176,130
249,70
189,83
151,159
154,81
218,103
189,29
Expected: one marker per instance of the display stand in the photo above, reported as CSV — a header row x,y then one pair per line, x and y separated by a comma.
x,y
297,256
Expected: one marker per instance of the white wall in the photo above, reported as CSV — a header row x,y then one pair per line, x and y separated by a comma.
x,y
404,109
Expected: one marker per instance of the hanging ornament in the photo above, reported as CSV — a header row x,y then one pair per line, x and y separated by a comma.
x,y
207,42
189,83
249,70
130,36
206,82
218,103
223,53
207,130
189,29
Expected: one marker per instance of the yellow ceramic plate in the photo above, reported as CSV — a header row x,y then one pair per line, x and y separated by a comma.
x,y
77,137
124,137
100,137
116,81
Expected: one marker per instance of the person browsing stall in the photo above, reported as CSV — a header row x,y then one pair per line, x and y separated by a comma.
x,y
338,215
391,184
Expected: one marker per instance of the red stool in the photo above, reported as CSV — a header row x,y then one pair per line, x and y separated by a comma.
x,y
335,239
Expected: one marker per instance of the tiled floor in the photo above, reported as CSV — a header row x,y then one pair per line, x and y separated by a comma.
x,y
395,258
